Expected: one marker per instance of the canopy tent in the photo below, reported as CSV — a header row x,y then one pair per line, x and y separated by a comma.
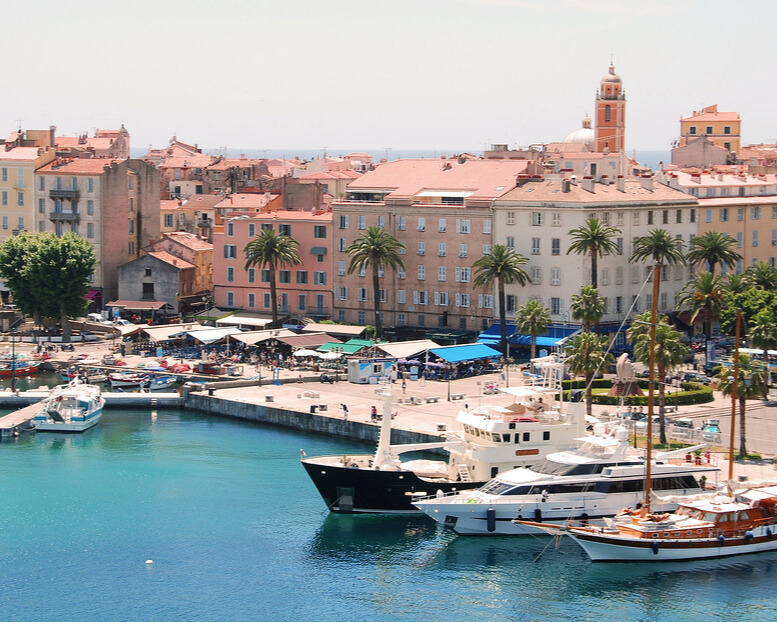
x,y
141,305
342,348
127,330
211,315
757,351
251,338
468,352
334,329
330,356
407,349
239,319
555,334
212,335
305,341
169,332
305,352
524,392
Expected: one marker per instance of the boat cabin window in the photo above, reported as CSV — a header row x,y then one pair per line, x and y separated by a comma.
x,y
549,467
526,437
744,515
710,517
506,437
494,471
546,435
496,438
517,438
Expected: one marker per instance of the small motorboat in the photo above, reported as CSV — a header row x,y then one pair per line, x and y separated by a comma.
x,y
72,407
160,383
127,380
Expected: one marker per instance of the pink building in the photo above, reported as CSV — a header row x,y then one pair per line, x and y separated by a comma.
x,y
303,290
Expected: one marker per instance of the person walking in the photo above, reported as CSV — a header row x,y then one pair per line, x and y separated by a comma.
x,y
404,386
373,413
345,412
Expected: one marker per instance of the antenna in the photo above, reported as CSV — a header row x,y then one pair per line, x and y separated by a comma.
x,y
612,56
19,121
386,152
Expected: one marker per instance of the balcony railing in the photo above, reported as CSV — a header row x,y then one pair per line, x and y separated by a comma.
x,y
69,195
64,216
205,223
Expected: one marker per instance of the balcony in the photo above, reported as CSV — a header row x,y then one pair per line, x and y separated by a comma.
x,y
65,216
205,223
69,195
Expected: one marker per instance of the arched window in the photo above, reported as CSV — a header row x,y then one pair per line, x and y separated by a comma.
x,y
607,114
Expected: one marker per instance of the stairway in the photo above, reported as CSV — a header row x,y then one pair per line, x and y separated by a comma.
x,y
463,471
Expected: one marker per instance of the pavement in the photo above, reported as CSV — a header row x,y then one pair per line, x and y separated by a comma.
x,y
426,416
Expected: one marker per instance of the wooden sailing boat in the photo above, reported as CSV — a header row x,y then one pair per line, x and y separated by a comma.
x,y
715,525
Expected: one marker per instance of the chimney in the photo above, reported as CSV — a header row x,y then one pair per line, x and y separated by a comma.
x,y
565,185
696,177
588,183
522,179
605,179
462,159
52,135
646,181
620,183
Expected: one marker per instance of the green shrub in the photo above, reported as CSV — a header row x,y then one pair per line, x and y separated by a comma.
x,y
691,393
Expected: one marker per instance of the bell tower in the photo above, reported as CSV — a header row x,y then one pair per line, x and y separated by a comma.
x,y
610,113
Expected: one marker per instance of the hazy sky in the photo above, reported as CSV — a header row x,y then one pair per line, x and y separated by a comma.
x,y
405,74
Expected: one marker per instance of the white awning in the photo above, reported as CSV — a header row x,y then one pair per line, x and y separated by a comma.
x,y
334,329
407,349
244,320
212,335
167,332
447,194
526,391
253,337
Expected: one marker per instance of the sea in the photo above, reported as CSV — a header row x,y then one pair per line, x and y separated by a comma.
x,y
177,515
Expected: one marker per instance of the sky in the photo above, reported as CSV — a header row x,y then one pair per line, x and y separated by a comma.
x,y
447,75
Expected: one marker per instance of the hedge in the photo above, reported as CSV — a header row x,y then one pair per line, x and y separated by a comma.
x,y
692,393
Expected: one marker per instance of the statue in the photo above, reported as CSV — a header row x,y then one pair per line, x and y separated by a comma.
x,y
626,382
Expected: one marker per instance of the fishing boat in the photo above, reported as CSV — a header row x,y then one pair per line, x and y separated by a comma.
x,y
588,483
127,380
489,440
159,383
72,407
90,376
17,365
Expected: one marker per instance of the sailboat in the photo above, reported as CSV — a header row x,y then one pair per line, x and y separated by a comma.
x,y
718,525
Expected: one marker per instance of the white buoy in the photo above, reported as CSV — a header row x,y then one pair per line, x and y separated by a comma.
x,y
149,562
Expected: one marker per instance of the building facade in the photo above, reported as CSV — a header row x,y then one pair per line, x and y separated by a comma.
x,y
610,114
722,128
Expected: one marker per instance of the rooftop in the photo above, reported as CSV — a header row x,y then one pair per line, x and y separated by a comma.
x,y
171,259
77,166
547,191
189,240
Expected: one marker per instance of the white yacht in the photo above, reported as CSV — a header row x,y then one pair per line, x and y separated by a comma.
x,y
72,407
596,480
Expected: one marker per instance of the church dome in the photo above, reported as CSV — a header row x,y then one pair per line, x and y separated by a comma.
x,y
612,76
584,135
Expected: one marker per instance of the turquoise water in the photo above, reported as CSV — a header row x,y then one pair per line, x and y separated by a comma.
x,y
237,532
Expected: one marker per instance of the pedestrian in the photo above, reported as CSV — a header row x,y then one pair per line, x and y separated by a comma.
x,y
373,413
345,412
404,386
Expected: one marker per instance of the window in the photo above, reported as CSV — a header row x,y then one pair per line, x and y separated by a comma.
x,y
607,113
442,273
463,250
362,317
441,249
774,237
362,221
401,296
605,276
20,198
340,269
302,277
510,242
740,213
555,246
555,306
692,130
692,215
465,300
41,206
20,179
382,295
555,276
230,251
319,278
618,304
679,216
536,219
5,197
619,217
401,223
284,276
363,294
619,244
42,182
284,230
605,218
463,275
535,246
662,301
442,225
148,291
727,129
251,275
302,302
510,303
342,244
486,301
230,229
252,300
441,299
381,222
131,248
463,226
342,293
487,227
619,276
650,217
5,222
401,319
421,224
709,129
755,212
535,276
421,272
421,320
131,204
486,249
267,301
401,274
168,220
319,232
555,219
230,275
708,215
739,239
89,229
755,237
342,221
422,248
635,218
5,174
265,274
723,214
510,218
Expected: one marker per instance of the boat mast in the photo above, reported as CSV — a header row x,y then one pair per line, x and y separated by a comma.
x,y
383,459
651,389
734,383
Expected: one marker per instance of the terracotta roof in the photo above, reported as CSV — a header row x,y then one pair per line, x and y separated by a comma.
x,y
713,116
202,201
168,204
483,178
77,166
717,180
286,215
226,163
333,175
551,192
189,240
244,201
195,160
171,259
21,153
74,142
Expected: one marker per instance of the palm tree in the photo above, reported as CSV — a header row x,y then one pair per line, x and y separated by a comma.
x,y
503,266
594,239
712,248
376,249
751,384
533,319
762,332
704,292
662,248
736,284
271,250
587,354
762,276
669,352
587,306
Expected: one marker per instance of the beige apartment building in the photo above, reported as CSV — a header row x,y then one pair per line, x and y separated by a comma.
x,y
441,211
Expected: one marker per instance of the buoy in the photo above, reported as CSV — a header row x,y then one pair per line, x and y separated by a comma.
x,y
491,519
149,562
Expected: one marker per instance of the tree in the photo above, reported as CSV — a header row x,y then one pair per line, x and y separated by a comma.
x,y
751,383
587,306
48,275
377,250
659,246
594,239
533,319
669,353
587,355
502,266
762,275
712,248
752,302
270,250
736,284
704,292
762,331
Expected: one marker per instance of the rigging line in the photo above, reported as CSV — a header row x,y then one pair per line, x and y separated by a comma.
x,y
620,328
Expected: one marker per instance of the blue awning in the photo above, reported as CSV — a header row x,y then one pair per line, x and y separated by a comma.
x,y
555,333
468,352
318,250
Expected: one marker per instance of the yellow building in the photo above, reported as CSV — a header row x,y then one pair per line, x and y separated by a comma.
x,y
17,179
722,128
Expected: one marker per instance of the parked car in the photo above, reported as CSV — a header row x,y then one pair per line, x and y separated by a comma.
x,y
682,423
692,376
